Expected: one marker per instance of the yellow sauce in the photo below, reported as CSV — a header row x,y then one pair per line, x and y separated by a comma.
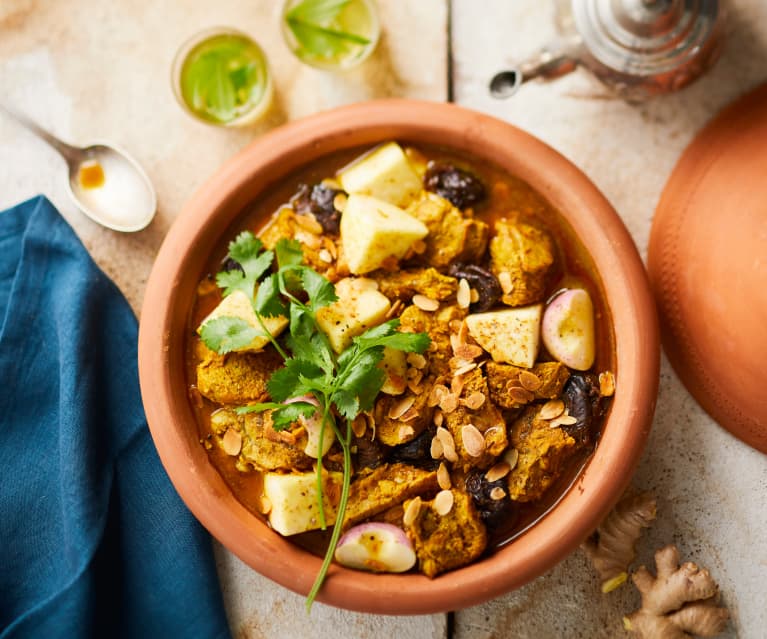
x,y
91,175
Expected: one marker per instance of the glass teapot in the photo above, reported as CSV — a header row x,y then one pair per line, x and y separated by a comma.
x,y
639,48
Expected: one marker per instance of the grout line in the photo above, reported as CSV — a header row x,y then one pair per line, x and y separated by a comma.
x,y
450,91
450,625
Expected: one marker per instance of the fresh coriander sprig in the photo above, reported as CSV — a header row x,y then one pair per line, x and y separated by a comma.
x,y
343,385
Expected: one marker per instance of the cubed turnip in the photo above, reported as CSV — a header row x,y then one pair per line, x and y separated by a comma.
x,y
567,329
377,547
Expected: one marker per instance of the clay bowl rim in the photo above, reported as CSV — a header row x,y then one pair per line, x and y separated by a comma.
x,y
200,228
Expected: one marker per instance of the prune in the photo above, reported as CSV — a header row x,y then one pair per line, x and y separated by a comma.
x,y
482,281
460,187
318,200
582,400
492,511
370,453
416,452
228,264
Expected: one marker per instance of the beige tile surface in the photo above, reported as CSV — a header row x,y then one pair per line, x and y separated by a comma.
x,y
712,489
100,70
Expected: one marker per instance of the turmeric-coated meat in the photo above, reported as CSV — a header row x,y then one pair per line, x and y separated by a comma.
x,y
543,451
444,542
545,380
235,378
525,253
402,285
453,235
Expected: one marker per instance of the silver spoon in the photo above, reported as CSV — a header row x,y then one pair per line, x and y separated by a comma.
x,y
106,183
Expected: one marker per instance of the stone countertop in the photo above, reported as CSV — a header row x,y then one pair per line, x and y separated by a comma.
x,y
101,70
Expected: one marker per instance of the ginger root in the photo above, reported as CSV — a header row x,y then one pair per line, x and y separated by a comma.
x,y
613,546
680,600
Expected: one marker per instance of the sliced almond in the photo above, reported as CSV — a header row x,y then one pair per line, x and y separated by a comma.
x,y
475,400
474,296
405,432
455,325
552,409
395,309
511,457
504,279
466,368
232,442
265,505
606,384
455,342
436,450
463,296
339,202
325,256
309,224
416,360
330,245
412,510
463,332
438,418
530,381
443,477
410,414
425,303
449,403
499,471
438,391
473,440
563,420
520,395
497,493
443,502
400,407
448,444
468,351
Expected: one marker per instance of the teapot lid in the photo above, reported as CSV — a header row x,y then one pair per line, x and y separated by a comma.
x,y
644,37
708,267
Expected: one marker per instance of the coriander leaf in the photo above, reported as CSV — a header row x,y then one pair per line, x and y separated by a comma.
x,y
256,408
225,334
408,342
286,414
320,290
317,10
291,381
288,252
268,302
313,349
232,281
302,323
382,330
363,378
245,249
346,403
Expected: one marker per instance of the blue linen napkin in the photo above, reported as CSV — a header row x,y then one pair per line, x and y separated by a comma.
x,y
94,541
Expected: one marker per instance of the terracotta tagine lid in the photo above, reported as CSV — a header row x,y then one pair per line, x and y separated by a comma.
x,y
708,266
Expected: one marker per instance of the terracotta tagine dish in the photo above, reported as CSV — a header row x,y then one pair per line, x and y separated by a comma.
x,y
519,341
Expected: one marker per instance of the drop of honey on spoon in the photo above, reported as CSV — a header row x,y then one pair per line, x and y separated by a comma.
x,y
91,175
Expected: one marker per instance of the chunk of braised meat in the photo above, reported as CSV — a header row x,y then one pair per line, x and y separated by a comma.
x,y
454,236
492,510
482,281
319,200
462,188
525,252
416,452
543,452
583,401
404,284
